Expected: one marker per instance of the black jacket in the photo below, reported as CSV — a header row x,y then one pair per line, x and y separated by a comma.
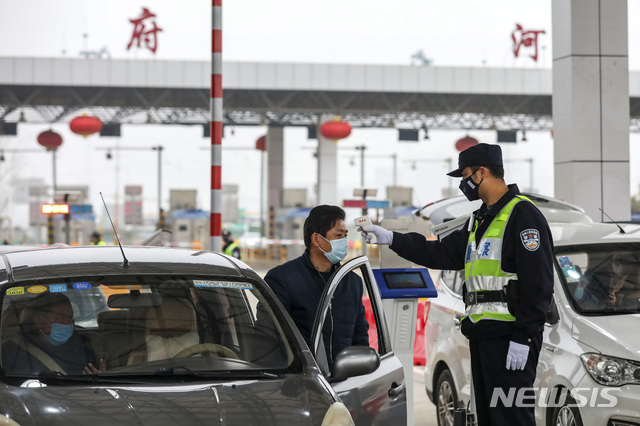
x,y
299,287
72,356
533,267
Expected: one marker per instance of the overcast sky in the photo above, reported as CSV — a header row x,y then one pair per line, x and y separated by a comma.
x,y
449,32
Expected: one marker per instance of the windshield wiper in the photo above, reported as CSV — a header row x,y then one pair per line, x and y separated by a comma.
x,y
619,310
239,374
182,371
56,377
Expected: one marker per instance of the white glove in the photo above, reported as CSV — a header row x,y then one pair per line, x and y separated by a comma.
x,y
384,236
517,356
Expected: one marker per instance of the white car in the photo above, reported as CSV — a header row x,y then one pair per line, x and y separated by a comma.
x,y
589,367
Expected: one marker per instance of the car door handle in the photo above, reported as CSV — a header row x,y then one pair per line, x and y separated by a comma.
x,y
550,348
396,390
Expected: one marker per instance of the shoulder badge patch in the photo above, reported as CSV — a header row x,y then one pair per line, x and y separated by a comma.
x,y
530,239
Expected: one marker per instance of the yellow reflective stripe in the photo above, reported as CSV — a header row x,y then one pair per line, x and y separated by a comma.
x,y
502,217
491,315
488,268
229,250
485,267
492,232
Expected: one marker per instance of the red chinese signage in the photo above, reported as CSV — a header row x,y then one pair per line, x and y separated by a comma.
x,y
145,29
528,39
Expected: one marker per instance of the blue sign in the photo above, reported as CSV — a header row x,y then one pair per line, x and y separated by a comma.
x,y
80,208
378,204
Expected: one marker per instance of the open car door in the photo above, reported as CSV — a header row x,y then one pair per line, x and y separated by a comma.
x,y
374,396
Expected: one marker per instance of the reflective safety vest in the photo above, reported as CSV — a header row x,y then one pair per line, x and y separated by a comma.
x,y
483,269
230,248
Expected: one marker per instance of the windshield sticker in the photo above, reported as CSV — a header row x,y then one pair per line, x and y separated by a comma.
x,y
222,284
15,291
81,286
57,288
37,289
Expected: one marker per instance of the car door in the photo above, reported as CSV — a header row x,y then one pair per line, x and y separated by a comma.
x,y
378,397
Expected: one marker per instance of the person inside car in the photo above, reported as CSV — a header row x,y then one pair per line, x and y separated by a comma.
x,y
48,341
624,282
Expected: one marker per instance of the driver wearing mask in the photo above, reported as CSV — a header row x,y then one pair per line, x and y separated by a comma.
x,y
48,341
299,284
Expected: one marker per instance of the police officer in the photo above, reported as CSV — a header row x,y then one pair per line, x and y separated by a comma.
x,y
96,239
505,249
230,247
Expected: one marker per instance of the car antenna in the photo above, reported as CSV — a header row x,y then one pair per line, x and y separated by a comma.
x,y
125,264
616,223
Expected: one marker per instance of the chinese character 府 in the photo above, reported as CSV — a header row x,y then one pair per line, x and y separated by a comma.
x,y
527,39
140,31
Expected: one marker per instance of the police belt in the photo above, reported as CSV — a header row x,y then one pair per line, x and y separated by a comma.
x,y
475,297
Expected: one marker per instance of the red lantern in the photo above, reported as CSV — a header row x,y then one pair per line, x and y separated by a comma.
x,y
261,143
466,142
335,130
85,125
50,140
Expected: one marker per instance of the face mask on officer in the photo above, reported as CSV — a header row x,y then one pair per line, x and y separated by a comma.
x,y
339,249
469,188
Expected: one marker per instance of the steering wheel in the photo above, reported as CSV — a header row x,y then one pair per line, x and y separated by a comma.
x,y
206,348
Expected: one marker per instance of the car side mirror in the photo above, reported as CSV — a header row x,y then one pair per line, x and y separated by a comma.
x,y
354,361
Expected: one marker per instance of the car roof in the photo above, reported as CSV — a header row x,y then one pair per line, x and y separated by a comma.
x,y
566,234
30,263
553,209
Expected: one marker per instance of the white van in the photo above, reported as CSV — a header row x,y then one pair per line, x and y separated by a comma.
x,y
589,367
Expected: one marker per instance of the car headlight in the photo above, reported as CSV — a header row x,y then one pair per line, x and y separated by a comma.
x,y
610,371
337,415
7,421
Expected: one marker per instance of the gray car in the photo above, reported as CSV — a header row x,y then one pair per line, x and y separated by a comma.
x,y
177,336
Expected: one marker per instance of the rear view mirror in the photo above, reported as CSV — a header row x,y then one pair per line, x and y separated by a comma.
x,y
135,299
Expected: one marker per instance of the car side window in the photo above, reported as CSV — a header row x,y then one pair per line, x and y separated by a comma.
x,y
454,280
370,313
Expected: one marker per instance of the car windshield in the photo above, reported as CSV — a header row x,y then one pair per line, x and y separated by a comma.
x,y
601,278
142,326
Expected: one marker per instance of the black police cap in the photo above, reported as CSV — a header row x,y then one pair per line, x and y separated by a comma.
x,y
482,154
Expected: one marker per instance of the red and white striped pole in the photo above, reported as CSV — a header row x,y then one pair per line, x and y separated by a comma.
x,y
216,126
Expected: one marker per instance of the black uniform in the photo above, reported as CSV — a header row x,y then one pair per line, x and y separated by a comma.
x,y
489,339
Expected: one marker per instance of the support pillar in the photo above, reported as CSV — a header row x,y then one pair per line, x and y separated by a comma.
x,y
591,106
275,166
327,168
